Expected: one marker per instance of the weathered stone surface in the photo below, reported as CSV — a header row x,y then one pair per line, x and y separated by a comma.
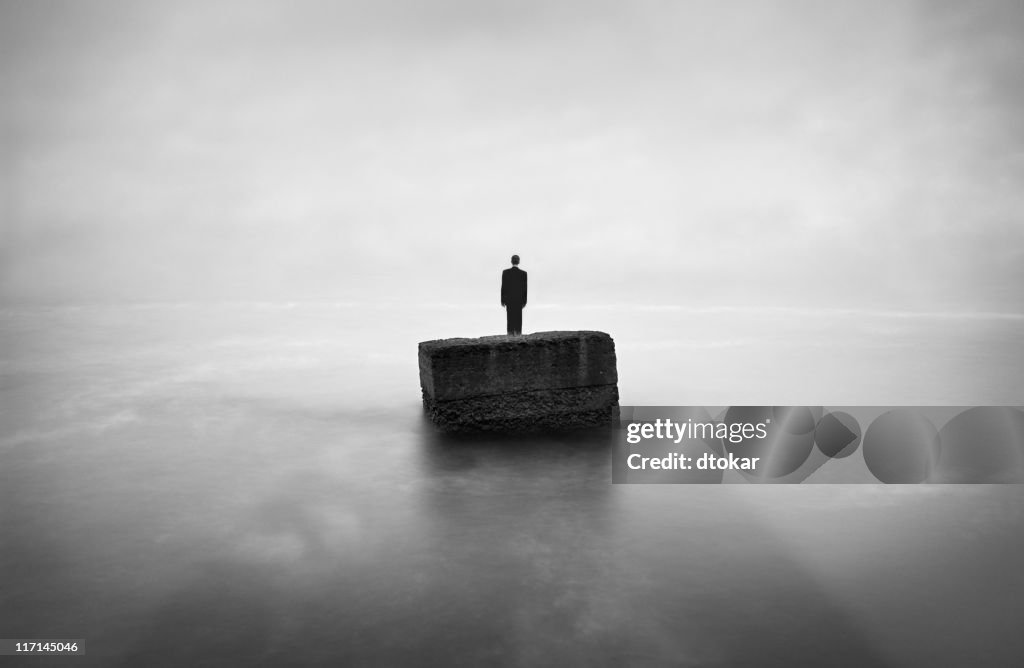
x,y
541,381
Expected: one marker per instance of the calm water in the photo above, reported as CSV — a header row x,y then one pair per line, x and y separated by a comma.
x,y
254,484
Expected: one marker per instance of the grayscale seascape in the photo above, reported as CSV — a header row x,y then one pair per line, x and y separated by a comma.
x,y
255,484
225,227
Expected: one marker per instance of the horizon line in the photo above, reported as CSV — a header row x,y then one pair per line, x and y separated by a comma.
x,y
611,306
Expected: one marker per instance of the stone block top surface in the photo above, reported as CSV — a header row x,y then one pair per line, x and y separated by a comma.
x,y
504,341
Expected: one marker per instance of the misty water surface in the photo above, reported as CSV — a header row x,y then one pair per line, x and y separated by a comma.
x,y
255,484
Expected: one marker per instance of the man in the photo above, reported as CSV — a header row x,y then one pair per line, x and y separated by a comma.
x,y
513,296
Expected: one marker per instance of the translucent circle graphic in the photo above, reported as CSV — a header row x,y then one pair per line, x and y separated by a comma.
x,y
797,419
782,450
901,446
982,445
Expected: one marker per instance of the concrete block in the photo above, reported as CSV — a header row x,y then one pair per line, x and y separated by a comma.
x,y
540,381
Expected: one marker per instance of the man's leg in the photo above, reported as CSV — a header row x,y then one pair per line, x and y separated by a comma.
x,y
509,320
515,320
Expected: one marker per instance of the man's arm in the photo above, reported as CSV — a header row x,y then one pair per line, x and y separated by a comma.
x,y
524,289
503,289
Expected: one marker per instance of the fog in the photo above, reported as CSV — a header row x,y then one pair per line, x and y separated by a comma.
x,y
854,155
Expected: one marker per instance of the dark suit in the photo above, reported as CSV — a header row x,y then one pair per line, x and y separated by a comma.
x,y
513,298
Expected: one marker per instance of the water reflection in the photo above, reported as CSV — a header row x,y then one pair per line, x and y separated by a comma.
x,y
554,565
334,541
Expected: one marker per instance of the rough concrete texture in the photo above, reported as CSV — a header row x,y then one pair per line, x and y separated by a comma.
x,y
542,381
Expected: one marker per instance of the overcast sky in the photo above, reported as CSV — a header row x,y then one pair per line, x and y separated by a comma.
x,y
861,154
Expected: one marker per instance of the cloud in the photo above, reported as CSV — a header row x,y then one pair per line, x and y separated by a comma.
x,y
276,150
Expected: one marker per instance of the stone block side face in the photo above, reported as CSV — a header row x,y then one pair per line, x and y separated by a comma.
x,y
528,411
462,368
548,380
426,372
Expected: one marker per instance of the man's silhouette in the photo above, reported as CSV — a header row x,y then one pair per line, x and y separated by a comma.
x,y
513,296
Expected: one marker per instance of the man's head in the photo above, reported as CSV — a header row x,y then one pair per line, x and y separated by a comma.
x,y
515,260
